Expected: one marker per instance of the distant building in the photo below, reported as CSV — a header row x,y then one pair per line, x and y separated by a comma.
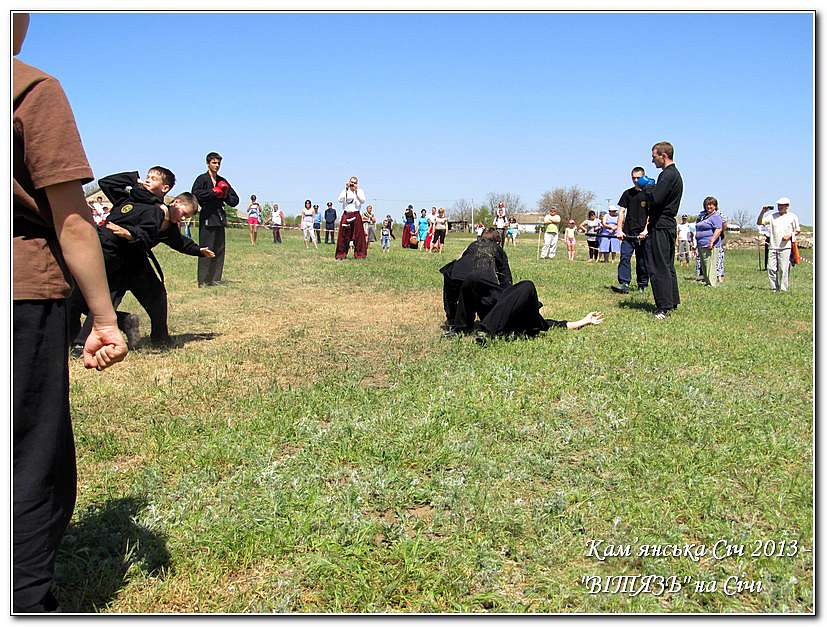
x,y
529,221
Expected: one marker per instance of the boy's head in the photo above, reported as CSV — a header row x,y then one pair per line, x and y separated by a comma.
x,y
159,180
213,162
182,207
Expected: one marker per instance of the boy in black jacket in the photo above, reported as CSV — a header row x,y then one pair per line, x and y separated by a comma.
x,y
139,220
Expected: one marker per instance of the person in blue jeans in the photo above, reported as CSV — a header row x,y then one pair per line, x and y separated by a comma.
x,y
630,224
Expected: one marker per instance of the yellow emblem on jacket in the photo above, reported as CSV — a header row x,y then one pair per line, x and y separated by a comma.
x,y
643,204
126,208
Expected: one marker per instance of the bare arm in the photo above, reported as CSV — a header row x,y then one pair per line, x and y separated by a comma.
x,y
79,242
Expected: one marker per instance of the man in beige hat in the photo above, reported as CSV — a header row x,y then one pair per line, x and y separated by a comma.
x,y
783,226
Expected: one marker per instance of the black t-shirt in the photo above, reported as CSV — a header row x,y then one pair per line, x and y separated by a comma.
x,y
635,203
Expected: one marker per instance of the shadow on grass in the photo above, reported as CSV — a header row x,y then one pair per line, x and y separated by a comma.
x,y
638,304
100,549
177,341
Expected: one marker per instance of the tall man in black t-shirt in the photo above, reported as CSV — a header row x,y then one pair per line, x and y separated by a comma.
x,y
663,201
630,224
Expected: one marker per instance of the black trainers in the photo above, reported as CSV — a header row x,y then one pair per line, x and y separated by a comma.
x,y
662,314
77,351
131,327
481,338
621,289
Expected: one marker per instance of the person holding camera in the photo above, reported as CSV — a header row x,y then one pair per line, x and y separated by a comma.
x,y
351,228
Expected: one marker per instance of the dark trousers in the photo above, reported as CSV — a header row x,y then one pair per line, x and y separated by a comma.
x,y
353,231
629,246
593,249
660,262
44,473
277,235
318,229
211,270
329,233
475,298
148,290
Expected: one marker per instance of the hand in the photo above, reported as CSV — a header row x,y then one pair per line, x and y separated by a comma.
x,y
105,345
643,234
119,231
786,238
219,191
594,317
206,252
620,234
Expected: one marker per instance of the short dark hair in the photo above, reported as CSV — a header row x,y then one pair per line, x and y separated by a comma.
x,y
638,168
189,198
592,213
711,199
664,148
166,175
253,197
213,155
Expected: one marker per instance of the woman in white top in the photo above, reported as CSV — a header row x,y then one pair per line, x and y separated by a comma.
x,y
277,220
308,214
590,227
351,229
253,218
440,230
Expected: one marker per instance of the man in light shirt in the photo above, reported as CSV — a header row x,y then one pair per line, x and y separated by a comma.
x,y
551,224
783,227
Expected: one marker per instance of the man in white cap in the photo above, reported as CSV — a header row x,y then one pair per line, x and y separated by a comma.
x,y
783,227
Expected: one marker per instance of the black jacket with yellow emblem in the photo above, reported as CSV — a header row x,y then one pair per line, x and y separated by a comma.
x,y
137,210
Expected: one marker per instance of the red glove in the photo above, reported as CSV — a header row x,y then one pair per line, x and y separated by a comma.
x,y
219,191
224,185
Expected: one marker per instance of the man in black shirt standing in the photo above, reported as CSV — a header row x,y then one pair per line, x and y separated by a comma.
x,y
663,201
630,224
212,191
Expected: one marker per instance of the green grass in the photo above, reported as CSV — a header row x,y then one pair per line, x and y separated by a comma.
x,y
307,449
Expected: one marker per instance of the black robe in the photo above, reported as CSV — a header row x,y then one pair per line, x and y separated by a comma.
x,y
479,283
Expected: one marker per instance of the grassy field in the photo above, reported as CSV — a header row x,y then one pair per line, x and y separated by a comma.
x,y
307,448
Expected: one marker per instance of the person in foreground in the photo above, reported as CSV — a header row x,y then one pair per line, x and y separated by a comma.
x,y
479,283
54,240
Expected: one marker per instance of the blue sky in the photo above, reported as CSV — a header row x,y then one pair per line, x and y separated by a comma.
x,y
428,108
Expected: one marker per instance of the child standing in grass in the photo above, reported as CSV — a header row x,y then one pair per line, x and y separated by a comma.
x,y
571,241
387,233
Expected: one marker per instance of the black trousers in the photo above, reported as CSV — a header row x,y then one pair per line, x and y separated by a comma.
x,y
660,262
44,474
148,290
464,300
211,270
329,233
277,235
